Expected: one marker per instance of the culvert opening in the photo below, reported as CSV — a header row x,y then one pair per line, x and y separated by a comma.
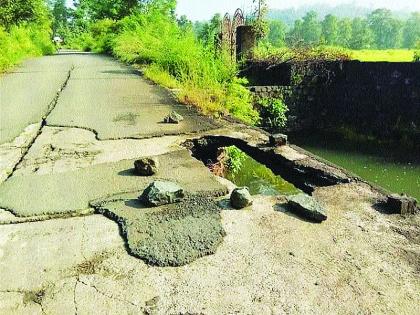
x,y
276,174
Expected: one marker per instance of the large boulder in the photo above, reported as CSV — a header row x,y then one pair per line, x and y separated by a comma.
x,y
240,198
146,167
161,193
306,206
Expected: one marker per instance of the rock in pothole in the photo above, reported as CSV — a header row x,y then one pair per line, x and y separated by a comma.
x,y
240,198
160,193
306,206
173,118
146,166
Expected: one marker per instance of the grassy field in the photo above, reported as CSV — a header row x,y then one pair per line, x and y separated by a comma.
x,y
390,55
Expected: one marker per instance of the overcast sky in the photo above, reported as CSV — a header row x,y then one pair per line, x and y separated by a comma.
x,y
205,9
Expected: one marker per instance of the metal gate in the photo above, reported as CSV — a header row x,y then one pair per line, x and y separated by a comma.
x,y
228,31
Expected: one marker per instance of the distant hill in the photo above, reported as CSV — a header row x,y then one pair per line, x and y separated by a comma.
x,y
289,16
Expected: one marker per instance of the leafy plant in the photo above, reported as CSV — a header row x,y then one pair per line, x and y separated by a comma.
x,y
273,113
234,159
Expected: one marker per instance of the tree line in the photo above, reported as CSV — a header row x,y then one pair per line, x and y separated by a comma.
x,y
379,30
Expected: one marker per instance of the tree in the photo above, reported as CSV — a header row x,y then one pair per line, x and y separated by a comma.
x,y
362,37
277,33
184,23
386,29
330,30
15,12
295,37
311,28
411,32
344,32
107,9
61,16
207,31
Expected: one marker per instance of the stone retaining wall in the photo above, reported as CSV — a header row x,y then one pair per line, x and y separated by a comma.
x,y
382,99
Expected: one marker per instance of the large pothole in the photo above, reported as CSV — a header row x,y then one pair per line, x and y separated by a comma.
x,y
295,170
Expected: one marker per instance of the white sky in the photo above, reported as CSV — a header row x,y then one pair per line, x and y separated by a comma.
x,y
205,9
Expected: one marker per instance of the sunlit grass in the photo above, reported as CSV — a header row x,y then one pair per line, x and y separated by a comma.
x,y
389,55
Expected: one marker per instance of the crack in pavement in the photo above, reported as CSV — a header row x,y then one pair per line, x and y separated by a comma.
x,y
107,295
145,137
51,107
46,217
76,311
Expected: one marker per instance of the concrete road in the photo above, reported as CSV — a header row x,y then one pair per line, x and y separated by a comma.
x,y
75,239
28,91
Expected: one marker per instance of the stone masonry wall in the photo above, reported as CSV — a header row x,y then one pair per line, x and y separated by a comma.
x,y
382,99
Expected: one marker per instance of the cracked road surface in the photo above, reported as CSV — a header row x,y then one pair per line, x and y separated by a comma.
x,y
71,126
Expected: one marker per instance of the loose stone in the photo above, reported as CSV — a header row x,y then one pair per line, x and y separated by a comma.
x,y
173,118
161,193
308,207
402,204
146,166
278,140
240,198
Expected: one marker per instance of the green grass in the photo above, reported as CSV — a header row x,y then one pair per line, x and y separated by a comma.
x,y
390,55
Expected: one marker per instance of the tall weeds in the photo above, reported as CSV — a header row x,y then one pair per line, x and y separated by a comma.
x,y
172,56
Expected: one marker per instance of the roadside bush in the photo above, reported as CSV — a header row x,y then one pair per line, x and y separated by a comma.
x,y
83,41
172,56
21,42
273,113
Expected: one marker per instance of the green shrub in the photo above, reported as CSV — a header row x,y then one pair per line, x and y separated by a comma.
x,y
273,113
20,42
172,56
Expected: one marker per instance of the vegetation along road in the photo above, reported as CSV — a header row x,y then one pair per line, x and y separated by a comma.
x,y
75,239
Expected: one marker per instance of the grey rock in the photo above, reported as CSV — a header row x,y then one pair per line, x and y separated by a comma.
x,y
277,140
307,207
173,118
146,167
240,198
402,204
161,193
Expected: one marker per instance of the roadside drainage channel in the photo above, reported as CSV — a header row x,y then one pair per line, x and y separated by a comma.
x,y
302,176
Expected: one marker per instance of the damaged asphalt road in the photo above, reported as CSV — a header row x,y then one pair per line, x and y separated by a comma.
x,y
74,239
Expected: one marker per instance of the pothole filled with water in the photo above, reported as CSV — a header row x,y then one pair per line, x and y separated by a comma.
x,y
242,170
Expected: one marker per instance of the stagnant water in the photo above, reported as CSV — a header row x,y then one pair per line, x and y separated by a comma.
x,y
259,179
392,168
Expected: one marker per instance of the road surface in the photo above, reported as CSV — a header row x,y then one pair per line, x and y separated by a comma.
x,y
74,238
